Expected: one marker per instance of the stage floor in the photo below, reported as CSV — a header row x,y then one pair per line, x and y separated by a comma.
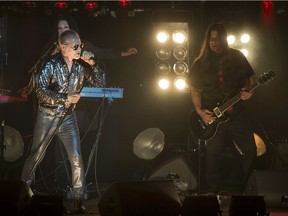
x,y
92,209
143,196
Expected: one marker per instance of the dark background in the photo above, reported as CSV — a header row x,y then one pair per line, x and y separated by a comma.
x,y
26,30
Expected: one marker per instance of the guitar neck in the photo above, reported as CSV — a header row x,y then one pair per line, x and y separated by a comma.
x,y
224,107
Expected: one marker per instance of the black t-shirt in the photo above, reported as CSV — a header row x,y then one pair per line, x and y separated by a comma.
x,y
205,76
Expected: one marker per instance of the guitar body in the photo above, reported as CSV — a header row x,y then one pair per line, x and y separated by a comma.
x,y
207,131
202,130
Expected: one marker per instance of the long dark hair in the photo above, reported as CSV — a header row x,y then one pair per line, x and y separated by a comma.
x,y
71,22
206,51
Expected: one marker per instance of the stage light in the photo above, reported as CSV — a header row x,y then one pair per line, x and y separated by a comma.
x,y
179,37
29,4
149,143
29,7
245,52
163,68
180,83
164,83
91,6
163,53
61,5
245,38
124,3
231,39
267,5
162,37
171,50
242,41
180,68
180,53
267,13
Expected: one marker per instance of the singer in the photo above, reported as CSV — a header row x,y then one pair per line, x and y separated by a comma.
x,y
61,25
61,78
85,108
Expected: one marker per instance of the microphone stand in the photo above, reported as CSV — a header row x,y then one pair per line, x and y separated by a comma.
x,y
55,131
95,145
43,56
201,157
2,141
2,146
33,70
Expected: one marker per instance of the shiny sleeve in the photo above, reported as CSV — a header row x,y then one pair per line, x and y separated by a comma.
x,y
96,78
45,91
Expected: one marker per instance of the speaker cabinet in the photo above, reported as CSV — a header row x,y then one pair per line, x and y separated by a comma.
x,y
147,198
46,205
14,197
247,205
176,165
201,206
272,185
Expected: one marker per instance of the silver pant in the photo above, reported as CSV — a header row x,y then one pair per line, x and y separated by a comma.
x,y
69,135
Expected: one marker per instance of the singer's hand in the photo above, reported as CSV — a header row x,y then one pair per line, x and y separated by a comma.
x,y
88,57
73,98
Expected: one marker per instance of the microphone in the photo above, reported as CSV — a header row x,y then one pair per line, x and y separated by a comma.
x,y
93,59
88,57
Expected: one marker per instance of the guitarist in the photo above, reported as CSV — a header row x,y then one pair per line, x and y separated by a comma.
x,y
218,73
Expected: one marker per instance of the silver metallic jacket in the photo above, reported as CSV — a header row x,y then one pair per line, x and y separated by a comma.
x,y
56,82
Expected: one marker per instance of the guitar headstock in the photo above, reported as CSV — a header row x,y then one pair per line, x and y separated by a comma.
x,y
266,77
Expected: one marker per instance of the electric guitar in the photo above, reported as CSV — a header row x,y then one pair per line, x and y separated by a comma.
x,y
205,131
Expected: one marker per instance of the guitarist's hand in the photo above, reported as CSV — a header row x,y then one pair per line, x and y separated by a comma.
x,y
245,95
206,115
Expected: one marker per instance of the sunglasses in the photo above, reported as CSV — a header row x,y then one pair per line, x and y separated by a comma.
x,y
75,47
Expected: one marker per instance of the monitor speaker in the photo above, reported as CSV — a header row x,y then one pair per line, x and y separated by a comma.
x,y
272,185
178,166
144,198
14,197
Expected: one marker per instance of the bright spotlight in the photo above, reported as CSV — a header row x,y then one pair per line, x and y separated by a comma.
x,y
179,37
180,83
171,53
163,83
231,39
245,52
162,37
245,38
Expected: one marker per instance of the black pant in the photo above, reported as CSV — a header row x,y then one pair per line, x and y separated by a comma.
x,y
69,135
240,129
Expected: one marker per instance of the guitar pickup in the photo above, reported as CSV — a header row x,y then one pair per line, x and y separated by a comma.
x,y
217,112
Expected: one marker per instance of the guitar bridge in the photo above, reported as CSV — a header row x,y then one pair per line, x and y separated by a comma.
x,y
217,112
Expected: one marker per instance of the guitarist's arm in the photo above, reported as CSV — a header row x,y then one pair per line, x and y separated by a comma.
x,y
245,93
206,115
